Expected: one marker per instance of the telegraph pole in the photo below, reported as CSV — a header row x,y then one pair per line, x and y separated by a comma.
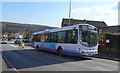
x,y
25,32
69,11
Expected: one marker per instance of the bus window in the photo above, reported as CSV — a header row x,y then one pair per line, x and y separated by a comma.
x,y
85,38
88,38
43,37
54,37
61,37
48,39
36,38
39,38
72,36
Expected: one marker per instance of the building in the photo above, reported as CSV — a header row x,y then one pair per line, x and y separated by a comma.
x,y
101,25
114,29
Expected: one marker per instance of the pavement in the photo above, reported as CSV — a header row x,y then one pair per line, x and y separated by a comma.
x,y
108,56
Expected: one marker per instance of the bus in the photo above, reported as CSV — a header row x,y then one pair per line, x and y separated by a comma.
x,y
74,40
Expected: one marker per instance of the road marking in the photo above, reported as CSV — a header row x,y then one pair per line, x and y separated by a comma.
x,y
13,45
20,47
10,64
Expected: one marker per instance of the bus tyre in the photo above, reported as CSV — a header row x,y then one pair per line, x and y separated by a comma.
x,y
60,52
37,47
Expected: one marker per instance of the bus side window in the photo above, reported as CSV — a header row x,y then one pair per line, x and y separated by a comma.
x,y
48,38
39,38
61,37
35,38
72,36
43,37
54,37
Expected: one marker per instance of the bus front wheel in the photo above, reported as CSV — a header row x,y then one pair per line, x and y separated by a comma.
x,y
60,51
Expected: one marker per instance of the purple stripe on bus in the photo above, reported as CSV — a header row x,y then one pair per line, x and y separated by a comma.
x,y
55,48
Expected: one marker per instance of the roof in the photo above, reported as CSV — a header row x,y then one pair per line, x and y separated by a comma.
x,y
99,24
114,29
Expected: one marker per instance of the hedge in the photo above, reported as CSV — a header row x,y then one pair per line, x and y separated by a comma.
x,y
113,47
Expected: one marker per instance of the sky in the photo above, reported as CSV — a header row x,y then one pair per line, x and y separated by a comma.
x,y
51,13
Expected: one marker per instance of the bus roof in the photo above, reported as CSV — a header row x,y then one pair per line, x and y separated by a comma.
x,y
59,29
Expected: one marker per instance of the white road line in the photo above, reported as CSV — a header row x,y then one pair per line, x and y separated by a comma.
x,y
10,64
19,47
13,45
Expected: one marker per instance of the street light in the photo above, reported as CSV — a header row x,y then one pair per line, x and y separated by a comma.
x,y
69,11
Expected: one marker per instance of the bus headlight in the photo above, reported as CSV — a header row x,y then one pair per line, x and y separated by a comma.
x,y
96,52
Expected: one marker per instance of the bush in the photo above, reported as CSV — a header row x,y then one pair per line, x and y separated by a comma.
x,y
102,36
114,40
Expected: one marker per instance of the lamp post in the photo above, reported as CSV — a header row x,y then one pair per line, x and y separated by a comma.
x,y
69,11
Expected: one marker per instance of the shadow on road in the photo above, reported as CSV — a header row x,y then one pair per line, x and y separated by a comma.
x,y
21,59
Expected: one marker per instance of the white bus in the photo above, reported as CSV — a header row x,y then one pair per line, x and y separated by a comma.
x,y
75,40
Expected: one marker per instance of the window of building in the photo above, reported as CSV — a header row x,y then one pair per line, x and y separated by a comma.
x,y
100,31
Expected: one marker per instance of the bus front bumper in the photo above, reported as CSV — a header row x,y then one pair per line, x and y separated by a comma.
x,y
88,53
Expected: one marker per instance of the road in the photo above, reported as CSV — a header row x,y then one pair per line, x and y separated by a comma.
x,y
29,59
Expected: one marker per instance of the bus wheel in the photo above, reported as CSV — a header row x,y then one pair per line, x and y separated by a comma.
x,y
37,47
60,51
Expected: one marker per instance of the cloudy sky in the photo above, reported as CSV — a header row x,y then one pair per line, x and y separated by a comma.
x,y
107,12
51,13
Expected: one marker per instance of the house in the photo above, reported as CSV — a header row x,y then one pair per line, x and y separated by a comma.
x,y
101,25
114,29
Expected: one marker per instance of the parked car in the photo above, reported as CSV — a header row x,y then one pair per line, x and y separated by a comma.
x,y
4,42
17,41
26,40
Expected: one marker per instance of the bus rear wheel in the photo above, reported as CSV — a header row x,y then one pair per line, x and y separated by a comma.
x,y
37,47
60,52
